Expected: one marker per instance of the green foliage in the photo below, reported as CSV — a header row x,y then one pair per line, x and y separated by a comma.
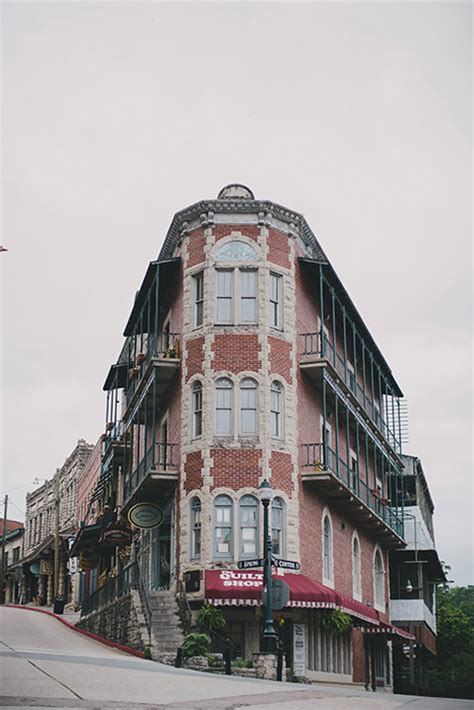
x,y
336,622
213,661
147,652
242,663
450,672
196,644
212,619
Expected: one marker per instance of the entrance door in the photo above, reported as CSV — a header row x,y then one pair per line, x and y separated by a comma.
x,y
379,657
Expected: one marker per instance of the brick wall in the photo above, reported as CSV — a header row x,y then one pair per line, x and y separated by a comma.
x,y
252,231
196,244
193,471
280,358
194,357
282,472
236,353
278,248
235,469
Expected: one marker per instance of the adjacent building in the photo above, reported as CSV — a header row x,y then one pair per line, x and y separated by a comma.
x,y
12,546
50,520
415,573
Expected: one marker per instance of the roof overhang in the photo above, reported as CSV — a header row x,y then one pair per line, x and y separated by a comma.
x,y
153,269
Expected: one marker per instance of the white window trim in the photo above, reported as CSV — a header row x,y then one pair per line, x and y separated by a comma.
x,y
329,582
356,590
195,279
379,607
215,554
249,555
253,435
283,525
195,436
281,435
233,409
235,298
192,555
279,277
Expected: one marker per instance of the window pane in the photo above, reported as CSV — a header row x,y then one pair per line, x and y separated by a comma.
x,y
248,421
224,283
248,310
224,310
248,283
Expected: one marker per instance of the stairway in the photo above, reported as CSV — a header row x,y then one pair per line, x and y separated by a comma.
x,y
166,627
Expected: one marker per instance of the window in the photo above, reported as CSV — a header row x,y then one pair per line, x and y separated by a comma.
x,y
248,296
224,407
356,588
195,528
198,296
278,523
276,391
248,521
275,301
327,550
197,410
223,521
16,554
236,288
225,287
248,407
235,251
351,379
379,581
354,471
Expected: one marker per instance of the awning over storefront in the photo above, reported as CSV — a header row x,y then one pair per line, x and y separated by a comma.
x,y
357,609
88,536
244,588
389,631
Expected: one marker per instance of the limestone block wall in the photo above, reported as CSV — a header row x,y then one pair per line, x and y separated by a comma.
x,y
120,620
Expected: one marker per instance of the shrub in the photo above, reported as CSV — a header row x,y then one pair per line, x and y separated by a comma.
x,y
242,663
196,644
336,622
208,617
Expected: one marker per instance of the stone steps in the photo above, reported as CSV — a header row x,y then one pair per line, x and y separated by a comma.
x,y
167,632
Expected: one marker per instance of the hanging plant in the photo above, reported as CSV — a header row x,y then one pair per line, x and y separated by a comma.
x,y
336,622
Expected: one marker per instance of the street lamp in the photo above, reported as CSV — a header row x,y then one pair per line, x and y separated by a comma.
x,y
265,493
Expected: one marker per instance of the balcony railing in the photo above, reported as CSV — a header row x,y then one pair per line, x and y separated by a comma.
x,y
313,347
159,458
164,347
113,588
315,459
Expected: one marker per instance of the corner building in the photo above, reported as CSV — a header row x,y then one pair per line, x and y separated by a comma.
x,y
245,359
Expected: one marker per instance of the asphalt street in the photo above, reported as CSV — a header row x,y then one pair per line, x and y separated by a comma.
x,y
46,664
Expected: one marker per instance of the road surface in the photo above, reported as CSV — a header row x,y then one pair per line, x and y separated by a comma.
x,y
46,664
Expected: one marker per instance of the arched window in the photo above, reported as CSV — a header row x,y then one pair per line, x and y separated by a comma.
x,y
379,580
248,527
248,407
236,251
276,406
356,588
327,550
197,410
224,407
223,528
278,527
195,525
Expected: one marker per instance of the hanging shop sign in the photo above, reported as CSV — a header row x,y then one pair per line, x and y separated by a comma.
x,y
145,516
46,567
88,559
35,568
116,536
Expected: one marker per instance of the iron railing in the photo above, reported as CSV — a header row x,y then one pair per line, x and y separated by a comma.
x,y
163,346
158,456
314,345
144,601
318,459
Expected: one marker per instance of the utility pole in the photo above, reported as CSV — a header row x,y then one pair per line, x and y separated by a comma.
x,y
56,535
4,534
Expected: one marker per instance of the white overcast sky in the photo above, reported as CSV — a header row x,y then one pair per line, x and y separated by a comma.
x,y
117,115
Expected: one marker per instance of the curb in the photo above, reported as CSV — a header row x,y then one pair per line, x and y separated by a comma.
x,y
89,634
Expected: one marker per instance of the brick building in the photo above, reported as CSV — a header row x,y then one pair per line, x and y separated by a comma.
x,y
245,359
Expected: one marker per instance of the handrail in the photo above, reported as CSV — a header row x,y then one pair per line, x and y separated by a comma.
x,y
184,608
159,454
145,602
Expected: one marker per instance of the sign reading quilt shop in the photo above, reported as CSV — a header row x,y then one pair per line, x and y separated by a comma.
x,y
145,516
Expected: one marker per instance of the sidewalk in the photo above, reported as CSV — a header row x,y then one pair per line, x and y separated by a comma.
x,y
69,614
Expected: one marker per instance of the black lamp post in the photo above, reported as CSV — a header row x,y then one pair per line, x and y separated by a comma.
x,y
269,636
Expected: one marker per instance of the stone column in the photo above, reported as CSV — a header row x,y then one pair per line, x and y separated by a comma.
x,y
265,665
8,590
61,580
49,598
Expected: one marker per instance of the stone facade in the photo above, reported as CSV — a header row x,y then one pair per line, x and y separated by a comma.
x,y
120,620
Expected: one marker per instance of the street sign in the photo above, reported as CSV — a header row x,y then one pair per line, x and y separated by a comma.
x,y
285,564
249,564
280,594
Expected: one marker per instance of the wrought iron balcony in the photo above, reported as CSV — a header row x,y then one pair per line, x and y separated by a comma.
x,y
159,356
157,469
318,351
348,492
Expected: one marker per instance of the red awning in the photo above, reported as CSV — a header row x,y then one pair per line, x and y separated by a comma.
x,y
390,631
357,609
242,587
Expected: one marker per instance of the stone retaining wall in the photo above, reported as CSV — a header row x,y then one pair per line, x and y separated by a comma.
x,y
120,620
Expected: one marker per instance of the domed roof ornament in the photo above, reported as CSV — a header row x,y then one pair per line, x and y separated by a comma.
x,y
235,191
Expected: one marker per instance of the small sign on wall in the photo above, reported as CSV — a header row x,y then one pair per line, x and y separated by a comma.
x,y
299,650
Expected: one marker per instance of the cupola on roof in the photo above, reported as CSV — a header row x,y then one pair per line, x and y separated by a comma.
x,y
235,191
